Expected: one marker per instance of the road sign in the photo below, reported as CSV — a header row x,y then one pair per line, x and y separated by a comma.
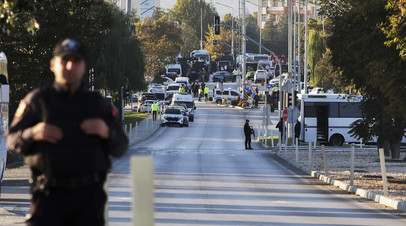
x,y
246,90
285,115
268,86
246,82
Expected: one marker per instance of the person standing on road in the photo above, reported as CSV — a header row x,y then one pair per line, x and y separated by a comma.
x,y
155,110
66,134
200,93
280,127
247,133
206,93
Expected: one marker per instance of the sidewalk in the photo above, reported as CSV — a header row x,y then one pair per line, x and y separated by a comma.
x,y
14,195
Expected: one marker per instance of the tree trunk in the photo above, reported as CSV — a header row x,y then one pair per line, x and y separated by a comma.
x,y
395,149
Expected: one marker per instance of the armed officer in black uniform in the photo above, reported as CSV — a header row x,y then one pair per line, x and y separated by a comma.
x,y
66,134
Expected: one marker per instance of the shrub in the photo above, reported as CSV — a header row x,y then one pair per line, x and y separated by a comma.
x,y
234,102
224,101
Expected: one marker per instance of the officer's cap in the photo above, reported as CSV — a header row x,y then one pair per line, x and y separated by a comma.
x,y
70,47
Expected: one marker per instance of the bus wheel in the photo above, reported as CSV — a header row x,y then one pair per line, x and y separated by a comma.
x,y
218,101
337,140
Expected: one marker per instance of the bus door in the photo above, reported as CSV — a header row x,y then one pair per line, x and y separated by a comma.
x,y
322,123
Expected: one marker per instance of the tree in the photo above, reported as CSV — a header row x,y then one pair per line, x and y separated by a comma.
x,y
359,52
189,12
331,77
316,48
90,21
161,42
395,28
219,49
275,36
252,31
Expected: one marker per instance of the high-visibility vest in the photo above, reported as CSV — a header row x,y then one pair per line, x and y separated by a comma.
x,y
200,90
155,107
206,90
180,89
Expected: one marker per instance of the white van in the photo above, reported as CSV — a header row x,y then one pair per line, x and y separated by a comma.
x,y
174,68
185,99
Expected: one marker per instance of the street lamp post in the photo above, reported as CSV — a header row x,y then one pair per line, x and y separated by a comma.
x,y
201,28
232,25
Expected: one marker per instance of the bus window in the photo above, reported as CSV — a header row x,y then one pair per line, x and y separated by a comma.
x,y
350,110
333,111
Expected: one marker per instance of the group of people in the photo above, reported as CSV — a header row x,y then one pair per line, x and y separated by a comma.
x,y
200,90
249,131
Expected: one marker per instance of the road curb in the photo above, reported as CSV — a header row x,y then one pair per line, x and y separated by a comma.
x,y
395,204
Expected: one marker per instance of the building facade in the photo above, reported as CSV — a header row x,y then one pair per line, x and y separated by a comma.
x,y
142,8
274,9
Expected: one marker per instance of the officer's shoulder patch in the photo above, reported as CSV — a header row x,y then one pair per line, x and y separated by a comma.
x,y
21,109
114,111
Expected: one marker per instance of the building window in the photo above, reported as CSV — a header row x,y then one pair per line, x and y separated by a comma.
x,y
275,3
264,3
264,18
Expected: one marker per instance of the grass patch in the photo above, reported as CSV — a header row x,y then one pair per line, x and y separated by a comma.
x,y
133,117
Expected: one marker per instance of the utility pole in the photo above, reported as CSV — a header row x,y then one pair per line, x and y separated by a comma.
x,y
201,28
244,43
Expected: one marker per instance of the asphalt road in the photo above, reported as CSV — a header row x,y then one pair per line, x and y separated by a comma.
x,y
204,176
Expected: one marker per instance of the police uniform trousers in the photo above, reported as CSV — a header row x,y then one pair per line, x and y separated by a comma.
x,y
247,141
68,206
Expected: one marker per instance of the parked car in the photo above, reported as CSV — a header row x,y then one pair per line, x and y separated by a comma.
x,y
230,94
172,116
260,75
227,76
275,81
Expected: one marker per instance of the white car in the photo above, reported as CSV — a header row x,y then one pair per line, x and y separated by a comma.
x,y
229,94
172,116
173,88
275,81
260,75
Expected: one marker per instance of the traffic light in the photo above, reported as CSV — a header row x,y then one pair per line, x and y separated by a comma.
x,y
216,25
288,99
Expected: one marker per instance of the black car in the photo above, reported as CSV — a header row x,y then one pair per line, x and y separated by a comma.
x,y
227,76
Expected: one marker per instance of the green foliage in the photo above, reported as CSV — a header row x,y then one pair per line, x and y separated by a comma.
x,y
395,28
91,22
188,12
161,42
252,31
275,36
234,102
359,52
316,48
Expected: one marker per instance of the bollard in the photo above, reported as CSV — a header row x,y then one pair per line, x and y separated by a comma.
x,y
383,170
130,134
136,129
310,156
125,128
279,144
323,153
352,165
142,173
106,206
272,139
297,150
266,135
315,142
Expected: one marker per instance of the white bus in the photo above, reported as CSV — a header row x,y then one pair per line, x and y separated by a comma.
x,y
327,117
4,101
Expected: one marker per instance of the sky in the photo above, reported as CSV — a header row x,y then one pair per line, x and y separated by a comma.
x,y
221,10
